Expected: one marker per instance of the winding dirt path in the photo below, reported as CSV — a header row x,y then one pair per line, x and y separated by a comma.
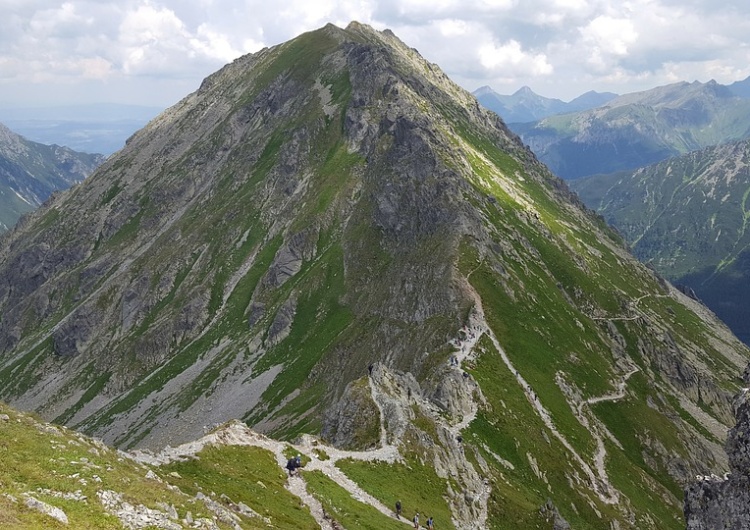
x,y
598,479
237,433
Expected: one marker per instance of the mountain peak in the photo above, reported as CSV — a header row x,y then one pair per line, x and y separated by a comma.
x,y
332,237
524,91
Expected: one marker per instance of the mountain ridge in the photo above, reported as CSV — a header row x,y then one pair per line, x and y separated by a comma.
x,y
525,105
336,203
638,129
30,172
686,216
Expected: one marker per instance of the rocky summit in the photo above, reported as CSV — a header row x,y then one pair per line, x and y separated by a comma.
x,y
330,238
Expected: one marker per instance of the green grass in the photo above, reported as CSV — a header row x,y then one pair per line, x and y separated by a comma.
x,y
36,456
299,58
111,193
416,485
510,429
345,510
244,474
129,229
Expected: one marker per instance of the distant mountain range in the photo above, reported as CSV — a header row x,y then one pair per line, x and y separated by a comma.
x,y
94,128
638,129
689,216
741,88
30,172
525,105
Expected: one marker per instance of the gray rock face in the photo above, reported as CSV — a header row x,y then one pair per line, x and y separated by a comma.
x,y
354,422
713,503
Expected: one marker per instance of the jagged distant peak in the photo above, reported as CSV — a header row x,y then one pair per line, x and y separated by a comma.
x,y
525,91
672,93
482,90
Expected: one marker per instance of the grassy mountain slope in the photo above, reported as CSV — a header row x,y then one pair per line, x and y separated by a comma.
x,y
230,479
30,172
638,129
688,217
336,203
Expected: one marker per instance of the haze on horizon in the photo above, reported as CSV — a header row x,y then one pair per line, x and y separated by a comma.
x,y
154,52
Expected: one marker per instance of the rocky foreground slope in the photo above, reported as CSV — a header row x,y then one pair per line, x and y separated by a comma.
x,y
232,478
330,237
713,502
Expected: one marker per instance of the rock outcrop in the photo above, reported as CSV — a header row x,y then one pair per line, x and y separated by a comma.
x,y
712,502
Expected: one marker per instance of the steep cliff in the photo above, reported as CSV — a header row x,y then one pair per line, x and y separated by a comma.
x,y
714,502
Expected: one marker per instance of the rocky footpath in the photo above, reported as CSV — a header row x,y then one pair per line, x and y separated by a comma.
x,y
715,502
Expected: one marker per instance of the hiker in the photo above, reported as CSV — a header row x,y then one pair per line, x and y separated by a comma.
x,y
416,520
398,509
370,368
292,464
430,524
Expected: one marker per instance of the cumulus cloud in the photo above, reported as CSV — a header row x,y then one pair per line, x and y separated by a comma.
x,y
560,48
512,60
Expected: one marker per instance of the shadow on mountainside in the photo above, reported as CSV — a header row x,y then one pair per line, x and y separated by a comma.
x,y
726,291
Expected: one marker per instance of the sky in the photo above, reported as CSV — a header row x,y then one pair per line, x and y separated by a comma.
x,y
154,52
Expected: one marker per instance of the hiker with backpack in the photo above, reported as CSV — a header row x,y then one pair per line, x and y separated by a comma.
x,y
292,464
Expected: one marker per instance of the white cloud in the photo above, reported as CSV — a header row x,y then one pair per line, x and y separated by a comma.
x,y
558,47
452,27
511,59
609,35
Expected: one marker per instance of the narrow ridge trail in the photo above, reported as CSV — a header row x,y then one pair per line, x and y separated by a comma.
x,y
237,433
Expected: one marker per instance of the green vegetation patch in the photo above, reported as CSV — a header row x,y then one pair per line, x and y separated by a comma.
x,y
20,375
244,474
48,462
508,434
632,422
416,485
97,384
345,510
